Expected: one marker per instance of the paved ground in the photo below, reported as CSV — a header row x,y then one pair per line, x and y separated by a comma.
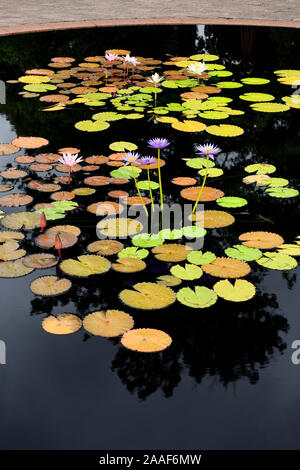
x,y
25,15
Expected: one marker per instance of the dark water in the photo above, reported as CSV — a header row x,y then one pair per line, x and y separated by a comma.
x,y
227,381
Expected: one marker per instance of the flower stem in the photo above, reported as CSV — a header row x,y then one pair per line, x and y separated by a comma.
x,y
203,184
69,178
159,179
155,94
142,200
151,196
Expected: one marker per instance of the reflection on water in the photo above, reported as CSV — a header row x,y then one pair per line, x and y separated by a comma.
x,y
228,342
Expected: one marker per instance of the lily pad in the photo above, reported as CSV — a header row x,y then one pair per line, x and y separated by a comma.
x,y
200,297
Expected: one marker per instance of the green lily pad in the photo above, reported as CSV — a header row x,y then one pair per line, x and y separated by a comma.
x,y
276,182
243,253
133,252
201,297
229,85
231,201
188,272
255,81
277,261
200,163
282,192
126,172
211,172
92,126
260,168
147,240
146,186
192,231
122,146
108,116
198,257
257,97
169,234
214,115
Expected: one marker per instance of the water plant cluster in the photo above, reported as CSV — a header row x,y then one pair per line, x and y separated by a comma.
x,y
128,87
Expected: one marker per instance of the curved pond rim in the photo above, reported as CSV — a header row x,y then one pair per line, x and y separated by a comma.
x,y
65,25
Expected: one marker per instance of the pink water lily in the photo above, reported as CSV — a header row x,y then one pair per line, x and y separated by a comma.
x,y
70,160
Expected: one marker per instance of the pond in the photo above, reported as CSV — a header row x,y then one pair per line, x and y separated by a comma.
x,y
219,372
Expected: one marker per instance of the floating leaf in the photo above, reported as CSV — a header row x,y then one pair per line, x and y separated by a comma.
x,y
229,85
47,240
169,234
208,194
200,163
39,87
260,168
108,116
257,97
240,291
204,57
260,180
121,227
225,130
214,115
217,219
14,269
105,208
191,231
5,236
187,273
277,261
198,257
227,267
201,297
30,142
188,126
86,266
243,253
10,251
184,181
122,146
148,296
105,247
168,280
108,324
83,191
231,201
211,172
5,187
63,324
40,261
146,340
126,172
13,174
262,240
18,220
133,252
289,249
171,252
92,126
97,180
129,265
8,149
50,285
255,81
270,107
282,192
145,185
15,200
147,240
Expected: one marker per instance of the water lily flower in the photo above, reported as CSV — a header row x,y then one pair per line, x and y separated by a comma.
x,y
155,79
131,60
131,157
43,221
197,68
58,244
158,143
111,57
70,160
147,161
208,149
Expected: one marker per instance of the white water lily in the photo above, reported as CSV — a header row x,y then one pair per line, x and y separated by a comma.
x,y
197,68
155,79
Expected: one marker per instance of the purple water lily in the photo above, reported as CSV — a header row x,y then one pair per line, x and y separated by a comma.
x,y
208,149
147,161
131,157
158,143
